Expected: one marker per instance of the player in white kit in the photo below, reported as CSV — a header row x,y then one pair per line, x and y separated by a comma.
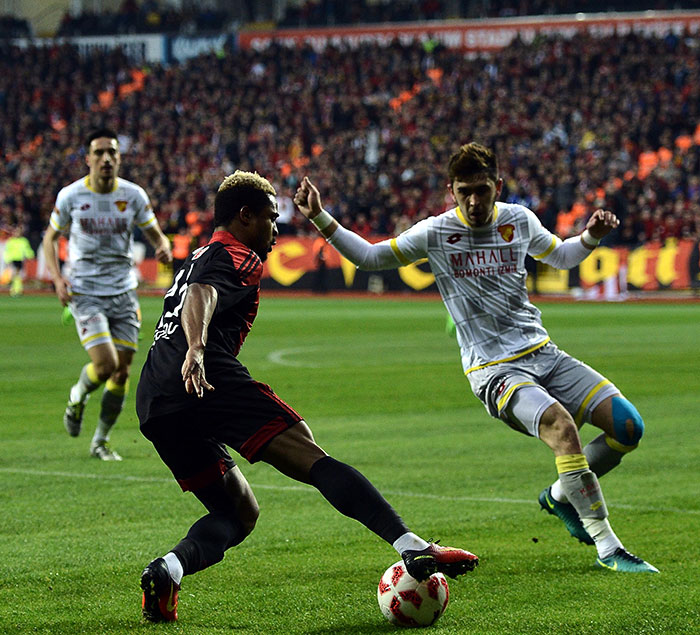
x,y
99,212
477,253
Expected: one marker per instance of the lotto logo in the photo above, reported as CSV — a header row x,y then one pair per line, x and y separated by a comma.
x,y
454,238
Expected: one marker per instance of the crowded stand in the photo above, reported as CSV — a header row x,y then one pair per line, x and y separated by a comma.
x,y
148,16
578,123
152,16
11,27
328,12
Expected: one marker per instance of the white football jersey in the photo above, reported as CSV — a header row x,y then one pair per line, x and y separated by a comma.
x,y
100,247
480,273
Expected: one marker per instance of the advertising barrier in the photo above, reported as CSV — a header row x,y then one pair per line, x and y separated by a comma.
x,y
140,49
674,264
608,273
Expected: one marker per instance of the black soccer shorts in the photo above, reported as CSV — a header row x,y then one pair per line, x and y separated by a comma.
x,y
192,442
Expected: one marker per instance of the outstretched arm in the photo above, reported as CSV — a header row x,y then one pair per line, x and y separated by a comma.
x,y
197,312
576,249
599,225
356,249
308,200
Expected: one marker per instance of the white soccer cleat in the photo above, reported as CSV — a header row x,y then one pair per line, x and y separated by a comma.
x,y
103,452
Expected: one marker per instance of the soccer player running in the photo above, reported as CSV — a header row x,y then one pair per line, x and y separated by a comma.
x,y
99,211
477,252
194,396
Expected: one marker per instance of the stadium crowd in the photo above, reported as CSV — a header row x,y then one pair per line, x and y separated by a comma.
x,y
147,16
190,16
578,123
329,12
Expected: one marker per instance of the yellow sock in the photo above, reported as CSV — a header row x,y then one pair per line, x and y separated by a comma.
x,y
571,463
92,374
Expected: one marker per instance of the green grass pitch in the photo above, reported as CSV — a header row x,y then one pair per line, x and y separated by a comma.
x,y
381,386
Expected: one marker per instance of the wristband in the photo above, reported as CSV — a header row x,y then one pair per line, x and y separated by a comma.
x,y
322,220
588,239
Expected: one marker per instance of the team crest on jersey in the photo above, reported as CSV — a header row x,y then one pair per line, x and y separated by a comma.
x,y
506,232
121,205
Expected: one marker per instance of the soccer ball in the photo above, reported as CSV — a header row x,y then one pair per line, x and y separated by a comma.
x,y
406,602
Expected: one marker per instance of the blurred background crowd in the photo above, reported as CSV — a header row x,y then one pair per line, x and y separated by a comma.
x,y
577,123
189,16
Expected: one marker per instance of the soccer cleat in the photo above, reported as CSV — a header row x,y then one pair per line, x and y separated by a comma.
x,y
159,603
73,417
104,452
422,563
567,513
626,562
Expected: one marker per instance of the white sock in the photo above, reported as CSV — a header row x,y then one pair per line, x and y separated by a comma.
x,y
81,391
558,493
409,541
101,433
78,394
174,567
606,542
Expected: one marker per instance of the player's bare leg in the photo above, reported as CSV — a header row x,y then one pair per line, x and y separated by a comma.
x,y
111,406
580,486
103,362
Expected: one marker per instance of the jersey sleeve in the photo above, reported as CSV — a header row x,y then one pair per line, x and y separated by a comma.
x,y
550,249
362,253
412,244
542,241
60,216
144,217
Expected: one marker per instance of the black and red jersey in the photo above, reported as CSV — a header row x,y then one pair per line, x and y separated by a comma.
x,y
234,270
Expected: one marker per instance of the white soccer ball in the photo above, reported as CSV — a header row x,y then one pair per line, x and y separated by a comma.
x,y
406,602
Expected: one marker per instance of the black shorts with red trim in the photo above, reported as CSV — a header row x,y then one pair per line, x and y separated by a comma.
x,y
192,442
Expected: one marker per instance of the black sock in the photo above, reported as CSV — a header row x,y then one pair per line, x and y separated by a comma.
x,y
207,540
353,495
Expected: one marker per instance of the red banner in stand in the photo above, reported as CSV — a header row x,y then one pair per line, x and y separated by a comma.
x,y
479,35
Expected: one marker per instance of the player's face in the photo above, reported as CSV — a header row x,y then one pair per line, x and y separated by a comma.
x,y
476,196
264,226
103,159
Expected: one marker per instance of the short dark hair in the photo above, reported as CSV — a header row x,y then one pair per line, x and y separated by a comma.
x,y
472,158
239,189
99,133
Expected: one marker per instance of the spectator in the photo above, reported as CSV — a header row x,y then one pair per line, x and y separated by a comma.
x,y
570,117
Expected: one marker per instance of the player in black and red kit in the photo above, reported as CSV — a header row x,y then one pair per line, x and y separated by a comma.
x,y
207,314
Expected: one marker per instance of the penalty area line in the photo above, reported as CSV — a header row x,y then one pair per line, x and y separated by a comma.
x,y
309,488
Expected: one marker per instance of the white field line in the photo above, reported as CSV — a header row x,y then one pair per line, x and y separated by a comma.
x,y
308,488
290,356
